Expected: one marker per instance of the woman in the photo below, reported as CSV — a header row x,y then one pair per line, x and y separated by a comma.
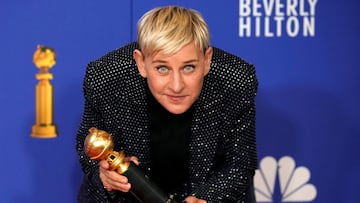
x,y
182,110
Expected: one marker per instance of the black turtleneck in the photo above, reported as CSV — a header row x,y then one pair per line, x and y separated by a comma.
x,y
169,142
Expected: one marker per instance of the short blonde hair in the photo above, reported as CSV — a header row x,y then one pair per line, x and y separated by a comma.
x,y
171,28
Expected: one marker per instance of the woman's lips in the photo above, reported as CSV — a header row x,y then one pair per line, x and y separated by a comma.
x,y
175,98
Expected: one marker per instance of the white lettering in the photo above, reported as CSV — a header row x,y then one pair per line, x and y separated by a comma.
x,y
292,26
278,8
256,8
268,6
244,8
267,32
302,9
312,4
309,27
245,26
257,27
279,20
276,18
291,7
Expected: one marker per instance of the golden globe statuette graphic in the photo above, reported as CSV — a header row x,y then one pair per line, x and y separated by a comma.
x,y
44,58
99,146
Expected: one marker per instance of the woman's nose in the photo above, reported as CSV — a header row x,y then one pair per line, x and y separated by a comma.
x,y
177,82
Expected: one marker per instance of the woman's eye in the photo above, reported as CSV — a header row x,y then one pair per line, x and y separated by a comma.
x,y
162,69
189,68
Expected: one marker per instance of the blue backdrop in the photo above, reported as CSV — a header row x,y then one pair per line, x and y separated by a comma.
x,y
305,51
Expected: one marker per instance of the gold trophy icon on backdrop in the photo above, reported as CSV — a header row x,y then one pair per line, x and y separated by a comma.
x,y
44,58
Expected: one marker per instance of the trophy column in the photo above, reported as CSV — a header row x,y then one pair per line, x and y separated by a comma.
x,y
44,59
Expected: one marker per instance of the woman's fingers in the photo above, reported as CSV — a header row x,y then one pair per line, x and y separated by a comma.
x,y
112,180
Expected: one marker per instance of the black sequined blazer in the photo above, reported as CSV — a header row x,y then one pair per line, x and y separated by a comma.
x,y
222,143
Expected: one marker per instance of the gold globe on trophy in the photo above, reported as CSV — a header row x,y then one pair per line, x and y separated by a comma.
x,y
44,58
99,146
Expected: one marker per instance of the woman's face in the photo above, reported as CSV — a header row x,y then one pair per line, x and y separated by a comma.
x,y
175,80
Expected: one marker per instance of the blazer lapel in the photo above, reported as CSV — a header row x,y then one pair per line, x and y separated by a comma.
x,y
132,108
206,131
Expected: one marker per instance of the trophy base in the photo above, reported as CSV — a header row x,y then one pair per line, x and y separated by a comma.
x,y
43,131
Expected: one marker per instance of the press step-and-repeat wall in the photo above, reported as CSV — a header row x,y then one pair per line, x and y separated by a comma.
x,y
306,55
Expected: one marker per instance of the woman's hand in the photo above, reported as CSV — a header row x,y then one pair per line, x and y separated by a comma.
x,y
193,199
112,180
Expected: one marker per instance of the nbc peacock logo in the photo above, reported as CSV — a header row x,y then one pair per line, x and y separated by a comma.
x,y
293,181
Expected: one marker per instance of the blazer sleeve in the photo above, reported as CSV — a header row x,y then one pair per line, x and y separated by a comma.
x,y
90,118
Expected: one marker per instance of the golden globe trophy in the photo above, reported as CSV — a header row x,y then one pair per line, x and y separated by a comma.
x,y
99,146
44,58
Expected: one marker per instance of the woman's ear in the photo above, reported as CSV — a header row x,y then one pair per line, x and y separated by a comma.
x,y
208,57
139,59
